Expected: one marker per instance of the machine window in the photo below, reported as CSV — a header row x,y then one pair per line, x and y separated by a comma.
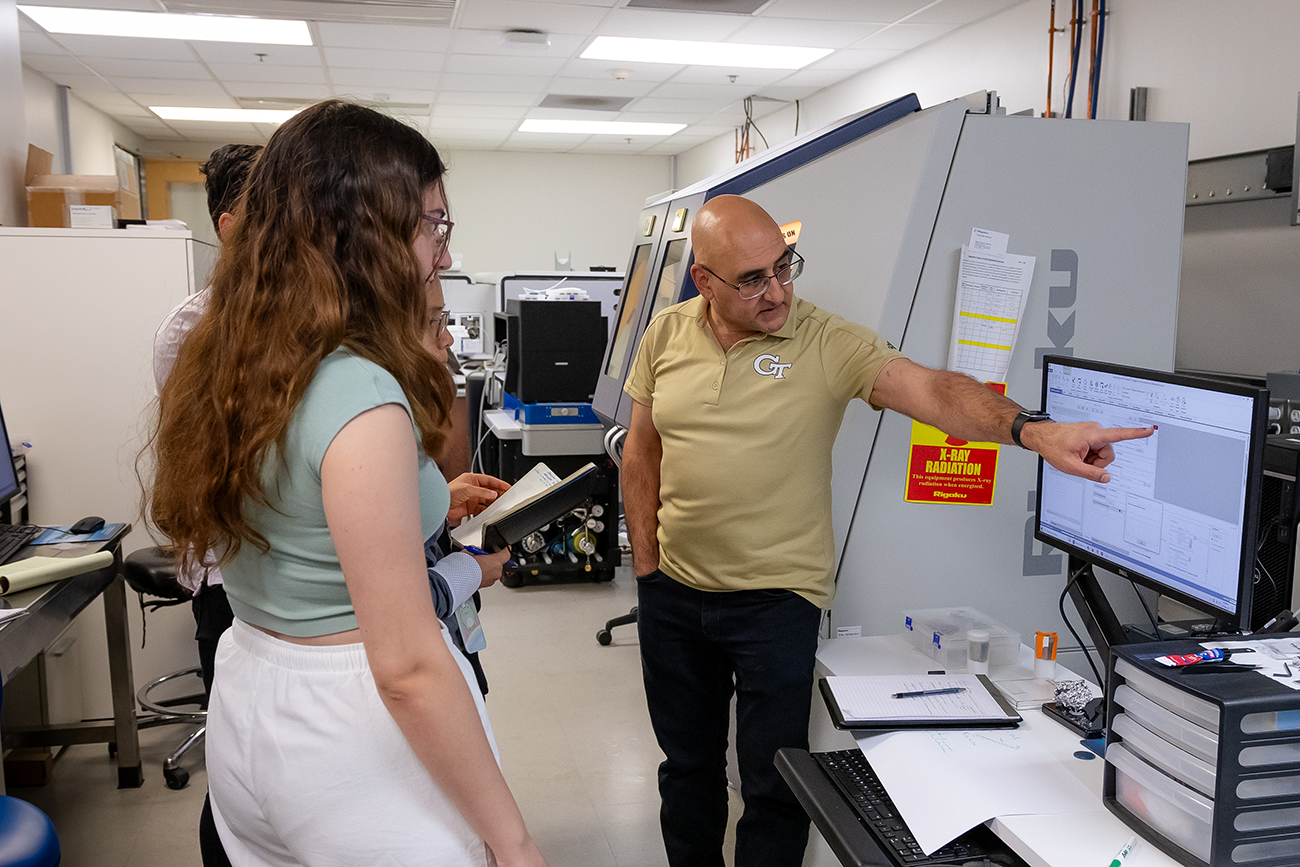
x,y
637,280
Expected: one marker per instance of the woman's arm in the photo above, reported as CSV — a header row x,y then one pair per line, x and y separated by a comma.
x,y
371,499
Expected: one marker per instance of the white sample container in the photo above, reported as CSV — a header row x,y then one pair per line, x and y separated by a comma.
x,y
941,633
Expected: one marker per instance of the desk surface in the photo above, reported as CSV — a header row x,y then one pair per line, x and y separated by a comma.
x,y
1064,840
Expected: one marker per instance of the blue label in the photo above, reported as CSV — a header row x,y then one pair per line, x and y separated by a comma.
x,y
938,643
908,623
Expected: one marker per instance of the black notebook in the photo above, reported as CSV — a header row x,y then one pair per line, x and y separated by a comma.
x,y
917,701
545,498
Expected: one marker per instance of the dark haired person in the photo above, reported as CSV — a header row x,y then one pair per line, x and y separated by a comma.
x,y
293,439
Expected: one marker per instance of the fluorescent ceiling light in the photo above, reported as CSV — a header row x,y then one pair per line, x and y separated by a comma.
x,y
159,25
702,53
224,115
599,127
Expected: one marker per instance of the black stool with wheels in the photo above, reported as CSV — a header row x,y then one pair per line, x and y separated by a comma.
x,y
152,572
605,636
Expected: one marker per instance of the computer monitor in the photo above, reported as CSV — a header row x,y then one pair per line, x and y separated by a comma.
x,y
1181,512
8,478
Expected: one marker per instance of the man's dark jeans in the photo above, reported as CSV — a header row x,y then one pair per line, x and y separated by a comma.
x,y
697,649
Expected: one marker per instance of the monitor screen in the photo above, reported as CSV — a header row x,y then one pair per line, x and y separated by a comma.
x,y
669,276
1180,513
8,478
638,278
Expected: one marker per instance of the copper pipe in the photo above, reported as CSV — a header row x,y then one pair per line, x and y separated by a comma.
x,y
1051,54
1092,59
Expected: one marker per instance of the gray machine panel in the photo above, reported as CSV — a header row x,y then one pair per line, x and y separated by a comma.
x,y
1107,195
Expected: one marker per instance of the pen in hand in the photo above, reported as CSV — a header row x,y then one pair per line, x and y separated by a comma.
x,y
479,552
952,690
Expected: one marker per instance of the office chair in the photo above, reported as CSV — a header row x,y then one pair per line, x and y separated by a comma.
x,y
152,572
27,836
605,636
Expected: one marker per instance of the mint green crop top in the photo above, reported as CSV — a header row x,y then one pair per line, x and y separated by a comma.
x,y
297,587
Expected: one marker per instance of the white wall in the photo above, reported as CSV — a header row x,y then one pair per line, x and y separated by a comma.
x,y
1231,70
93,132
516,210
13,130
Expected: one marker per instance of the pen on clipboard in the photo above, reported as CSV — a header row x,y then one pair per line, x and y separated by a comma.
x,y
952,690
1118,860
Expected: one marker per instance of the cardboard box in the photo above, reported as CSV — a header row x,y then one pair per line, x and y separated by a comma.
x,y
50,196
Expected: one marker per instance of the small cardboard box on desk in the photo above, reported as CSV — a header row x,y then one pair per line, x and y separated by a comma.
x,y
51,198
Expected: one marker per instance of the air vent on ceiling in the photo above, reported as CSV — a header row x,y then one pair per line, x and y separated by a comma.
x,y
725,7
394,109
585,103
425,12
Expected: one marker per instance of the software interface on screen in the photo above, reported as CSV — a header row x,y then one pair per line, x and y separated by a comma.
x,y
1176,503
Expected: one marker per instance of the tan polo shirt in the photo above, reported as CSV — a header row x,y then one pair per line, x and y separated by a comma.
x,y
745,480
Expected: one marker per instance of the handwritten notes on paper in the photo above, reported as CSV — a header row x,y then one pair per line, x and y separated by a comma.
x,y
992,290
872,698
946,782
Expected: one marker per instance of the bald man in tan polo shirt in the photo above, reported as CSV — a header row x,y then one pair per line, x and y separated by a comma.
x,y
738,396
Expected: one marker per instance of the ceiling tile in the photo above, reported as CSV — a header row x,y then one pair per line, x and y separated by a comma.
x,y
599,87
656,24
384,37
214,99
492,83
269,74
79,80
123,46
52,64
486,124
683,90
963,13
470,41
277,90
883,11
443,110
693,107
388,95
815,78
854,59
786,94
128,5
504,65
173,69
32,42
602,69
164,85
530,14
370,58
276,55
455,97
803,33
744,79
344,79
902,37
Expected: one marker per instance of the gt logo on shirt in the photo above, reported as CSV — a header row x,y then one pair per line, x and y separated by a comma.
x,y
770,365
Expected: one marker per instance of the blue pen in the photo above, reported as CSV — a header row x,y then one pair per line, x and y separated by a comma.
x,y
479,552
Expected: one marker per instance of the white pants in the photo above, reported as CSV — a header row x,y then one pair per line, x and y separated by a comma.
x,y
307,767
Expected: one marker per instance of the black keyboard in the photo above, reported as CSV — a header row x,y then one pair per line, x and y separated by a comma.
x,y
858,783
14,537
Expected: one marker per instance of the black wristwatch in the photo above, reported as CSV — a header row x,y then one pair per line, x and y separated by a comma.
x,y
1023,418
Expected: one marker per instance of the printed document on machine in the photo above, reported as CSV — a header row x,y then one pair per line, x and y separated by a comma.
x,y
992,290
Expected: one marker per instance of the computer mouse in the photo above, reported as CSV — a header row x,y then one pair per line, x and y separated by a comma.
x,y
91,524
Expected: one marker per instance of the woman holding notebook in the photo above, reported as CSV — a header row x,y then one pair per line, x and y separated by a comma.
x,y
293,440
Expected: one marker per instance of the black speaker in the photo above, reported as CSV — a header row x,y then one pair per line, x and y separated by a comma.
x,y
555,349
1279,515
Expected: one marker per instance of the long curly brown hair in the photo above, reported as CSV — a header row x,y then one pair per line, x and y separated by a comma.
x,y
320,256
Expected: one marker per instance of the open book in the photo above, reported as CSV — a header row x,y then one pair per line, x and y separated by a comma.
x,y
539,498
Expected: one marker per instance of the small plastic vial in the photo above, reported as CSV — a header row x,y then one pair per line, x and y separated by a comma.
x,y
977,651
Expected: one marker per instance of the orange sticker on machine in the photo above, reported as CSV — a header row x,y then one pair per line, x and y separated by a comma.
x,y
790,231
943,469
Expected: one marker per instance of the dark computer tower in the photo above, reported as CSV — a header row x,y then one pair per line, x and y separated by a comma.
x,y
554,349
1279,515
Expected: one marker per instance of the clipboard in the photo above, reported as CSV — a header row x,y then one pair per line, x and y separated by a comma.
x,y
551,504
1011,718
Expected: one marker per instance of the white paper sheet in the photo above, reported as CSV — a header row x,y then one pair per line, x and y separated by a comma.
x,y
534,482
992,290
872,698
985,241
946,782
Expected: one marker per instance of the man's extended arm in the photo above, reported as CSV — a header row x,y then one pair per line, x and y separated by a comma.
x,y
642,452
961,407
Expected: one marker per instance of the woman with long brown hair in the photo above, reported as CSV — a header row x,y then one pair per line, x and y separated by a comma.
x,y
292,440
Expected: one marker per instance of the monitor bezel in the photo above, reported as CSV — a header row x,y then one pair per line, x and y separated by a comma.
x,y
7,447
1230,619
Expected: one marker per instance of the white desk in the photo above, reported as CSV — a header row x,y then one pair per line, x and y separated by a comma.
x,y
1063,840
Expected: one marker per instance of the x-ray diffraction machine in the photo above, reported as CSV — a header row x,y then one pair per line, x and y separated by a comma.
x,y
882,203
